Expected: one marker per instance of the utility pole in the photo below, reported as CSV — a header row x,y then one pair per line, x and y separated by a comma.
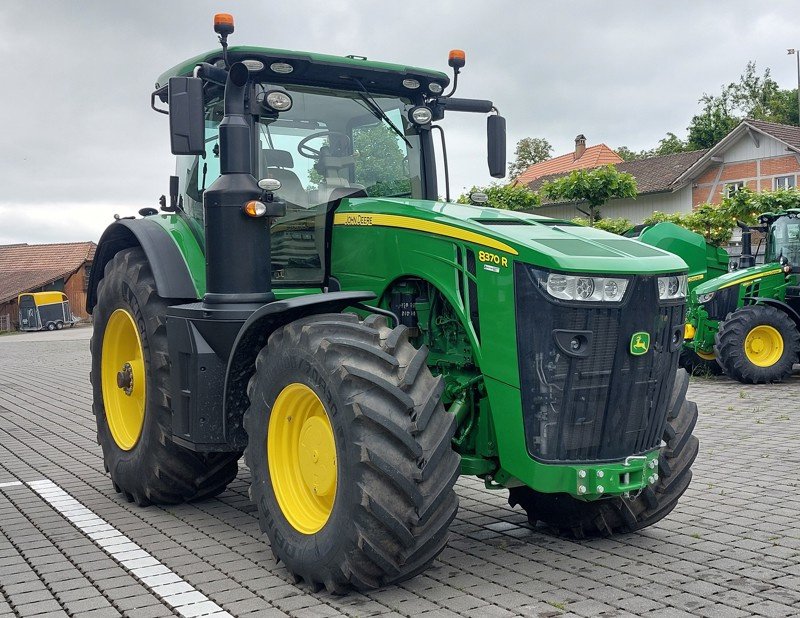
x,y
796,54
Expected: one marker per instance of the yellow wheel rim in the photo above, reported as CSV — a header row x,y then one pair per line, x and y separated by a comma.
x,y
301,454
763,346
709,356
123,379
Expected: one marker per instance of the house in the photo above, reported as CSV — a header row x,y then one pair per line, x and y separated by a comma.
x,y
581,158
762,156
35,268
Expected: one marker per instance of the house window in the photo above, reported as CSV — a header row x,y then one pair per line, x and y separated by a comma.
x,y
783,182
86,270
732,187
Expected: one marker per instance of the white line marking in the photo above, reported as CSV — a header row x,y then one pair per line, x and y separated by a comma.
x,y
10,484
173,590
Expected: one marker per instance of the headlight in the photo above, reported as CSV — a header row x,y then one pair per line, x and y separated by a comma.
x,y
278,100
704,298
672,287
576,287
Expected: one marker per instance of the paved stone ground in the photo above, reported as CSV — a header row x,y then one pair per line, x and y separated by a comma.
x,y
731,548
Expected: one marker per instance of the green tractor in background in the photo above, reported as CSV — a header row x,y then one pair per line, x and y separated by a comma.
x,y
748,319
705,261
362,343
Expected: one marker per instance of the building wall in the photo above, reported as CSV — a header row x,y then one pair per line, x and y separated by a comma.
x,y
75,289
635,210
756,166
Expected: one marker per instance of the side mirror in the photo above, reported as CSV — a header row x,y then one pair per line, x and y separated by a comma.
x,y
496,144
186,116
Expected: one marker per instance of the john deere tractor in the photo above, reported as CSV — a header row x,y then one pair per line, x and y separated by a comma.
x,y
748,319
305,299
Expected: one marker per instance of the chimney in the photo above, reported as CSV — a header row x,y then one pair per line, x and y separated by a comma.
x,y
580,146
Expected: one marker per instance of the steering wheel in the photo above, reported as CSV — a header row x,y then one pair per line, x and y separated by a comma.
x,y
313,153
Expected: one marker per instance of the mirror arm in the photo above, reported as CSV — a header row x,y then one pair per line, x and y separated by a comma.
x,y
161,93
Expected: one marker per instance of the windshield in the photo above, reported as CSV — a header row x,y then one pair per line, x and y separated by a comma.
x,y
330,144
784,240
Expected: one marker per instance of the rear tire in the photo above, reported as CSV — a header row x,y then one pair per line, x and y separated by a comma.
x,y
51,326
393,497
154,469
572,517
757,344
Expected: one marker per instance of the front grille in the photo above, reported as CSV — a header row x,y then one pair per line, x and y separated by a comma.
x,y
722,303
601,403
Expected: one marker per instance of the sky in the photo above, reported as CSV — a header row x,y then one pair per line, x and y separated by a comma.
x,y
80,142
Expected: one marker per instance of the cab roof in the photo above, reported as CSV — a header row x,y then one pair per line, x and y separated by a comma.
x,y
318,69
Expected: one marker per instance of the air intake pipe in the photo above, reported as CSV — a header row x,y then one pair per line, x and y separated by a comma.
x,y
238,266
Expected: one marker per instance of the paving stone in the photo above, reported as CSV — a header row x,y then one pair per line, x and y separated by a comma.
x,y
727,550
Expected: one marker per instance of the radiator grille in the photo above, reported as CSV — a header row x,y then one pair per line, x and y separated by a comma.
x,y
605,404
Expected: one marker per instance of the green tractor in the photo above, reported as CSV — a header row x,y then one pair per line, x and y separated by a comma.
x,y
748,319
705,261
303,298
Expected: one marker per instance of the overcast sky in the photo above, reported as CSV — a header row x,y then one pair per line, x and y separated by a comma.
x,y
79,141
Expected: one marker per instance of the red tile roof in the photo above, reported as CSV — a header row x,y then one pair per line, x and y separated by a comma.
x,y
593,156
26,267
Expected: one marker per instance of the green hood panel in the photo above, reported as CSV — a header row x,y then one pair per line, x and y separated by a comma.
x,y
532,239
746,275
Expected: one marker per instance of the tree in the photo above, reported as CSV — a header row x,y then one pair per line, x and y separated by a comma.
x,y
669,144
595,187
529,150
626,154
716,223
504,197
753,96
615,226
380,164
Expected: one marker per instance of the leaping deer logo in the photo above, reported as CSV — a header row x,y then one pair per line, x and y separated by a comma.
x,y
640,343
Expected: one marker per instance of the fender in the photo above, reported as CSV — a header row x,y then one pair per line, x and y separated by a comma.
x,y
782,306
169,267
253,336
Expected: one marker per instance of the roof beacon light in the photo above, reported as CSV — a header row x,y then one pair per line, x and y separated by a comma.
x,y
457,58
223,24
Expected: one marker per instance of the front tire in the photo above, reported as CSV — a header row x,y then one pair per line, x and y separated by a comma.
x,y
378,514
698,364
131,386
757,344
572,517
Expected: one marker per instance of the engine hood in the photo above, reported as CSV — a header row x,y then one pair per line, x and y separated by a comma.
x,y
737,277
549,243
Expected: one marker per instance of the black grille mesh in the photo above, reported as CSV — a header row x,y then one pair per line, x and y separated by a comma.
x,y
722,303
606,404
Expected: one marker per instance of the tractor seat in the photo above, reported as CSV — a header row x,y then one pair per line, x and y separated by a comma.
x,y
275,164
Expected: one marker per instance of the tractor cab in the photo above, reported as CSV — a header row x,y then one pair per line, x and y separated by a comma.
x,y
783,238
326,128
321,144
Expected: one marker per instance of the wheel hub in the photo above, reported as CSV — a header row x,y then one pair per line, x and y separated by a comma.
x,y
122,374
763,346
301,455
125,379
317,456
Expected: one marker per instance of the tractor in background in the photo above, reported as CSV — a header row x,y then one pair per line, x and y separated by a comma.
x,y
748,319
304,299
